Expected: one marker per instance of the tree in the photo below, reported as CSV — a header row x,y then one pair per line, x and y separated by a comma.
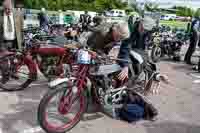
x,y
92,5
28,3
184,11
197,13
152,7
135,7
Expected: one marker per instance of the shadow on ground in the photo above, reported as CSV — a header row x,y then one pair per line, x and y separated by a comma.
x,y
182,67
22,110
21,114
172,127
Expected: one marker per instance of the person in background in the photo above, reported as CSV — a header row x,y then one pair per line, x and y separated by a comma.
x,y
194,40
188,27
98,20
85,20
44,21
61,17
19,24
11,22
137,43
130,23
157,23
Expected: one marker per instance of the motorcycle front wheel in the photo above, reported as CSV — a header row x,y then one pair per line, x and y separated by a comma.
x,y
61,108
156,54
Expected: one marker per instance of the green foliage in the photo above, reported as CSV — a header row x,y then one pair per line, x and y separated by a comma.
x,y
197,13
184,11
151,7
92,5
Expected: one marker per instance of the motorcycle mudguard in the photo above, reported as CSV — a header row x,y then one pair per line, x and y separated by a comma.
x,y
107,69
137,56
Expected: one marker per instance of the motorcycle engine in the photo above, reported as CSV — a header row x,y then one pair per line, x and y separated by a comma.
x,y
48,66
110,91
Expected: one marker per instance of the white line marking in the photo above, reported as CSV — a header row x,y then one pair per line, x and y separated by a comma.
x,y
32,130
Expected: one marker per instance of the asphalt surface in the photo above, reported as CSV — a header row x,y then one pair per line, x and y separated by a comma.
x,y
178,105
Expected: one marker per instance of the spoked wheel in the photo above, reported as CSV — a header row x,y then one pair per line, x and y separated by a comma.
x,y
14,75
61,109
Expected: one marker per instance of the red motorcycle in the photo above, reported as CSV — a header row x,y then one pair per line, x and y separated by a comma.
x,y
63,105
18,69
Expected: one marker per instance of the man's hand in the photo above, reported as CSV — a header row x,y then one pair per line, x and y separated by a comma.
x,y
123,74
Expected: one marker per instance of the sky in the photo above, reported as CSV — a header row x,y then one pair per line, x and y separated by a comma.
x,y
169,3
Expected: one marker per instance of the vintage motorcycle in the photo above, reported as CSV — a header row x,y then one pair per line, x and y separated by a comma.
x,y
94,73
166,44
18,69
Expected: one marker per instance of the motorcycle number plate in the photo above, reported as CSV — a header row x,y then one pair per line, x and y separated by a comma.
x,y
84,57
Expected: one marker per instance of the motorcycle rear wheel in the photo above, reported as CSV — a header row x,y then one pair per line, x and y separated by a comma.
x,y
6,75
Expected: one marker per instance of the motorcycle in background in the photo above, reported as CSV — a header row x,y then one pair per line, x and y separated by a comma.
x,y
18,69
166,44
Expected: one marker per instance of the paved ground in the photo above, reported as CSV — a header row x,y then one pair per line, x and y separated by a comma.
x,y
178,104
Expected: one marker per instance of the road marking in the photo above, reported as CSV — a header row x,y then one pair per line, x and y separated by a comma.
x,y
31,130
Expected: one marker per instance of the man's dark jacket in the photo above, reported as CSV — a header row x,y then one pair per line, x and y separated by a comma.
x,y
136,42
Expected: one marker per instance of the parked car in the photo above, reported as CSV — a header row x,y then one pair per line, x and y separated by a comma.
x,y
168,17
115,13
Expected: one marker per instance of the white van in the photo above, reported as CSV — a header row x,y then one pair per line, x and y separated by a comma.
x,y
31,20
117,13
168,17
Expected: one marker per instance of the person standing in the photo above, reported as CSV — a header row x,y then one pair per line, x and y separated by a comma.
x,y
19,24
130,23
11,22
44,21
194,40
61,17
85,20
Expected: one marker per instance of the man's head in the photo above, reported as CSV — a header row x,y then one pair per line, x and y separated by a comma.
x,y
98,20
120,31
7,6
86,12
145,24
141,26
